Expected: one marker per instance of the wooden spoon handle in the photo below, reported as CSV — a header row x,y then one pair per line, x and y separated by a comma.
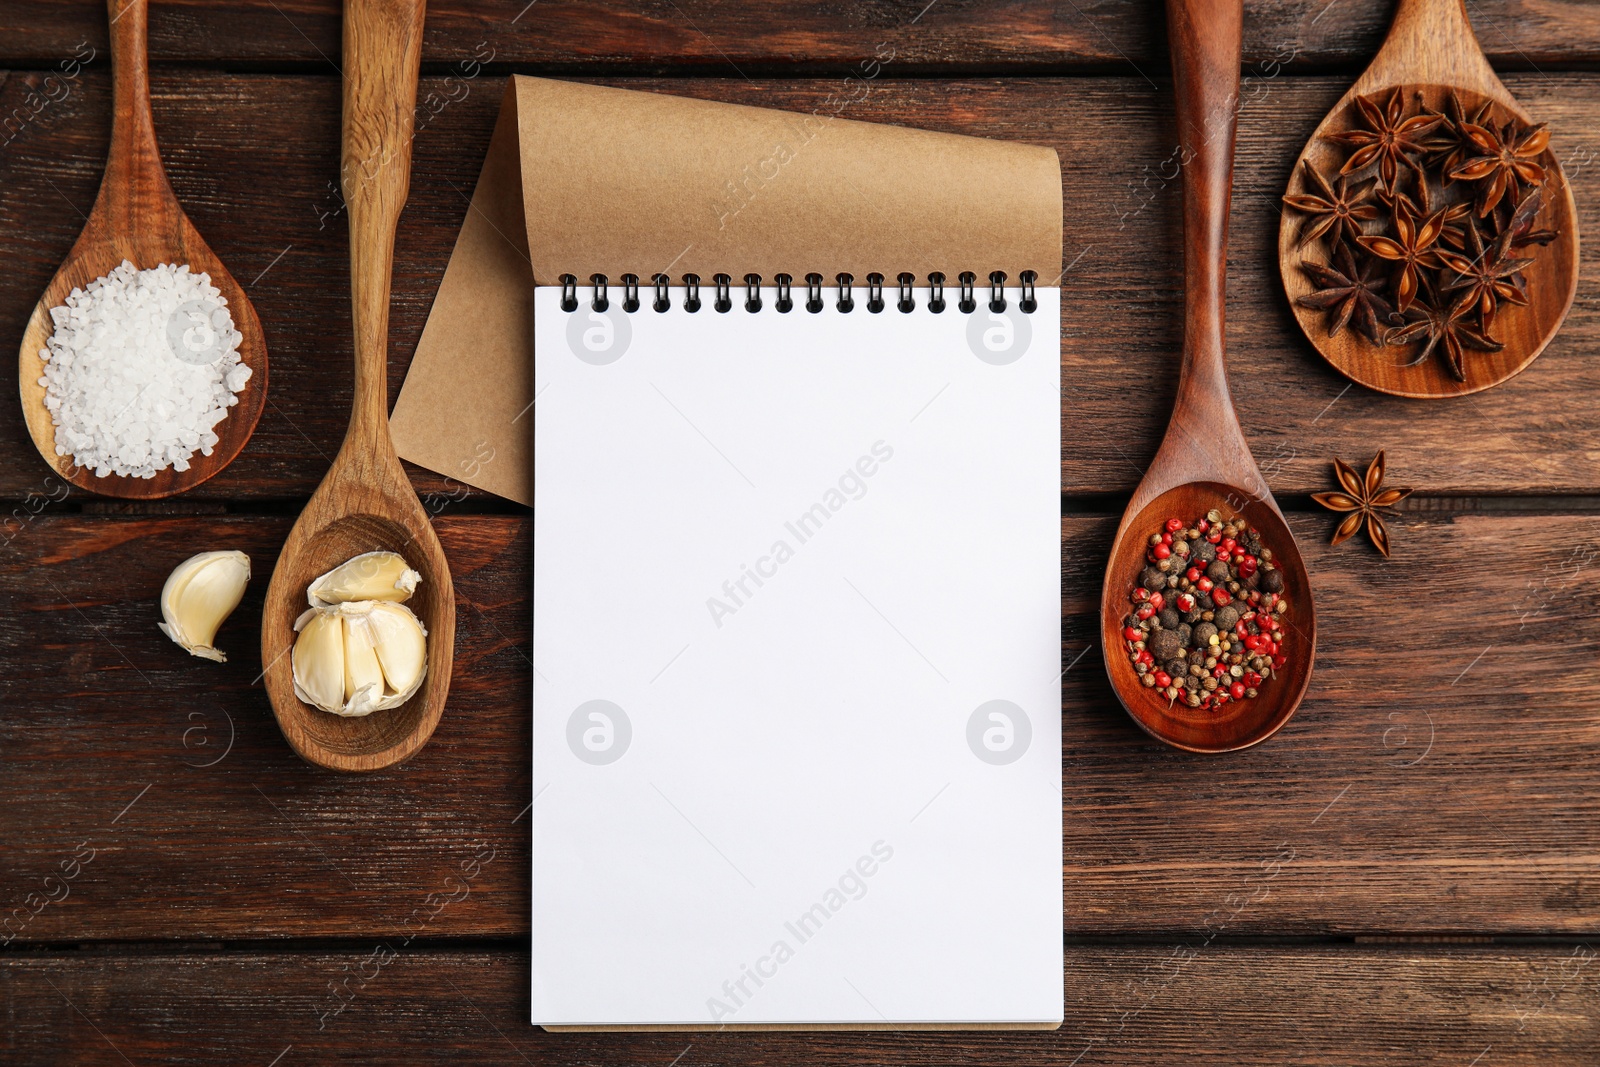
x,y
1205,40
133,134
382,54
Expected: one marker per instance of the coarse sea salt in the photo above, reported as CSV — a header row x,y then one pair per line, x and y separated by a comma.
x,y
140,369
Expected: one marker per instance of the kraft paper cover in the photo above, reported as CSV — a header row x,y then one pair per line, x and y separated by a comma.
x,y
584,179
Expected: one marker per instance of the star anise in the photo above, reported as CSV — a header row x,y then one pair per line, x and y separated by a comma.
x,y
1388,140
1350,292
1333,208
1522,219
1411,247
1504,159
1452,145
1487,275
1442,323
1362,497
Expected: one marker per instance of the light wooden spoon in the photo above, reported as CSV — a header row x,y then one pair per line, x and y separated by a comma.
x,y
365,502
1204,462
1431,50
137,218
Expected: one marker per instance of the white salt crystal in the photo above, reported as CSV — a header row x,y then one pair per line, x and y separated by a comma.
x,y
143,364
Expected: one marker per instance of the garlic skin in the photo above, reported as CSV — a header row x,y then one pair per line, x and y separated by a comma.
x,y
200,593
357,657
369,576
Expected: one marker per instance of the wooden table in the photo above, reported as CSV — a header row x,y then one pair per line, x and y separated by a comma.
x,y
1409,873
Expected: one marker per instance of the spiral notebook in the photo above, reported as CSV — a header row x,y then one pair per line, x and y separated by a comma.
x,y
796,605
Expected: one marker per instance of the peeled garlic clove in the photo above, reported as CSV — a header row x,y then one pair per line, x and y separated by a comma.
x,y
363,678
200,593
318,660
369,576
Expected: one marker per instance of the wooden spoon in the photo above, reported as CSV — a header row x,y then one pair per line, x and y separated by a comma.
x,y
365,502
137,218
1429,52
1203,462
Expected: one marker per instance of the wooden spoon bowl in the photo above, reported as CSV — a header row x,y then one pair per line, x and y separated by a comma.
x,y
365,502
1204,462
1430,52
1240,723
136,217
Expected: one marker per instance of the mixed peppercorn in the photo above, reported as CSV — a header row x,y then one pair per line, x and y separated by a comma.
x,y
1206,625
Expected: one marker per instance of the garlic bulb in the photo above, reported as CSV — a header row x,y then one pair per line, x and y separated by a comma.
x,y
200,593
369,576
358,657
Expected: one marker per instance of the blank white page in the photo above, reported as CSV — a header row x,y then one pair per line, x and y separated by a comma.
x,y
796,704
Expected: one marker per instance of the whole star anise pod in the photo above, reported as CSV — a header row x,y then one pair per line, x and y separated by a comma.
x,y
1411,247
1389,140
1334,209
1437,322
1504,159
1487,275
1449,142
1350,292
1362,497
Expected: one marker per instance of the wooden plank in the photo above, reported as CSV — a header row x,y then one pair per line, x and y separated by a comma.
x,y
787,35
1438,779
253,159
1136,1005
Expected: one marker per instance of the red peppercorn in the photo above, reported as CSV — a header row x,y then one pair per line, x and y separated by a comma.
x,y
1227,544
1220,598
1131,634
1141,594
1158,601
1185,602
1252,679
1161,551
1247,566
1202,526
1145,611
1205,585
1193,574
1236,690
1163,679
1145,656
1215,537
1166,539
1174,525
1278,662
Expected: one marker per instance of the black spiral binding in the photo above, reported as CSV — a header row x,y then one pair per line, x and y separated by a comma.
x,y
722,301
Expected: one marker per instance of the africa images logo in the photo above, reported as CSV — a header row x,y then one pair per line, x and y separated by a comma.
x,y
599,337
999,338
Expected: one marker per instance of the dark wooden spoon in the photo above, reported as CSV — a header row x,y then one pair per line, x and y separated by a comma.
x,y
137,218
1430,52
365,502
1203,462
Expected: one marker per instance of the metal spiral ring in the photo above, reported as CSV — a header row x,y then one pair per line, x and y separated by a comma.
x,y
874,292
724,299
752,292
936,292
997,292
1028,303
630,293
813,293
691,292
847,302
662,302
907,304
967,305
601,302
784,303
569,293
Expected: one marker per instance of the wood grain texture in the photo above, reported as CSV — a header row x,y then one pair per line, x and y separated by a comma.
x,y
137,219
649,36
252,159
1437,779
1182,1002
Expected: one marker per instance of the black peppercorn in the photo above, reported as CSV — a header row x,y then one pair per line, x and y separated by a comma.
x,y
1272,581
1163,645
1152,578
1226,618
1169,618
1202,635
1218,571
1202,550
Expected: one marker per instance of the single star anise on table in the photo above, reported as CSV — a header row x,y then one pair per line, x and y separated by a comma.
x,y
1411,247
1504,158
1362,497
1389,140
1351,290
1485,275
1334,209
1430,318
